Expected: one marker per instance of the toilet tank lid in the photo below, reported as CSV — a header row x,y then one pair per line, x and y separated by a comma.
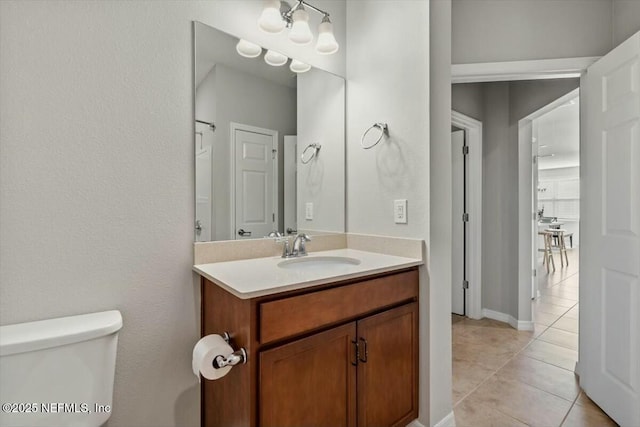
x,y
42,334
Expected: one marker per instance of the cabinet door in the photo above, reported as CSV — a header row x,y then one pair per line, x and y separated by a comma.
x,y
310,382
388,367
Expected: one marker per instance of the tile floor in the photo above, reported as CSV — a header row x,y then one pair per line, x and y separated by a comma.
x,y
505,377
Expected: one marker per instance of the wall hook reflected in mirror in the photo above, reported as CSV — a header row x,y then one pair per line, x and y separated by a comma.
x,y
382,130
309,153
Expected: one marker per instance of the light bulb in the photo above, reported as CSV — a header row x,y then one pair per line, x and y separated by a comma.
x,y
275,58
270,20
327,43
248,49
300,32
299,66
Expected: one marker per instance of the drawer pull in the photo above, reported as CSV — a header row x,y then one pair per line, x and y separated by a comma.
x,y
365,351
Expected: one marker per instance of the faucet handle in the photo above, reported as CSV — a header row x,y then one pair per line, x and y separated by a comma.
x,y
286,253
304,237
299,248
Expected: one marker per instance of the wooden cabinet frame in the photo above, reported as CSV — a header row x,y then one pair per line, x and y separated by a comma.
x,y
270,322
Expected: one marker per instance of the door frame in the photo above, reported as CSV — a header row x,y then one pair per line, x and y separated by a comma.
x,y
511,71
562,68
473,135
527,225
233,126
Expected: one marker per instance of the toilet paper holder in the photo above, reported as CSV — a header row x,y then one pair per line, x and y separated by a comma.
x,y
235,358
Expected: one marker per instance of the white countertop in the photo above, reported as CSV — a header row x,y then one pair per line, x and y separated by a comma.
x,y
257,277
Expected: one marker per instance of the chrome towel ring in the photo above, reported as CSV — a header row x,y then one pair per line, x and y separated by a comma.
x,y
383,129
306,158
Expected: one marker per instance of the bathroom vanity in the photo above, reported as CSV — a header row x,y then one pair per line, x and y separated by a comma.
x,y
328,346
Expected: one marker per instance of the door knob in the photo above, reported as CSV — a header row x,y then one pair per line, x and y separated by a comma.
x,y
241,232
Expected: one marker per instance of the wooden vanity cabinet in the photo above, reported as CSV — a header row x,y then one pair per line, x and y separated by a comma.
x,y
342,354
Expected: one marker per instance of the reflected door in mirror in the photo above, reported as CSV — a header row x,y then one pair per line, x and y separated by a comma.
x,y
255,187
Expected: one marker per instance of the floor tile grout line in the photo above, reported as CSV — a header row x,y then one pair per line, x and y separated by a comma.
x,y
541,389
569,411
497,410
495,373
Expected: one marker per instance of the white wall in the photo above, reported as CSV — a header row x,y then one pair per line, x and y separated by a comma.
x,y
440,204
513,30
96,178
388,81
626,20
467,98
321,119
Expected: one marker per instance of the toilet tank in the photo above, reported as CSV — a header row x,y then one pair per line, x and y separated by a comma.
x,y
59,372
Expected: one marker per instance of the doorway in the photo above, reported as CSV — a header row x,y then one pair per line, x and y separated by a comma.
x,y
204,143
467,216
254,192
459,280
554,135
610,249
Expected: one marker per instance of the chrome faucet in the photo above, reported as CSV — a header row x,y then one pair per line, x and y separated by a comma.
x,y
298,248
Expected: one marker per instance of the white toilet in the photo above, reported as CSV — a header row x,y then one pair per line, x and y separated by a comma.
x,y
59,372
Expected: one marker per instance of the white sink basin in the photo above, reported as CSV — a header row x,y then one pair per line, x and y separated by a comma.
x,y
317,262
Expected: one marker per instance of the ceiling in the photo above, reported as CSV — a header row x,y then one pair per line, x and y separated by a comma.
x,y
558,133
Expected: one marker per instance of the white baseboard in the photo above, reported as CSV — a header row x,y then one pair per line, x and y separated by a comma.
x,y
415,423
521,325
448,421
525,325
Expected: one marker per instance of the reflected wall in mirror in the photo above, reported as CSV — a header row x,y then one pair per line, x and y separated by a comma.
x,y
253,123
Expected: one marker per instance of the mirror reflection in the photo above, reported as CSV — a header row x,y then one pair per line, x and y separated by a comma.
x,y
269,142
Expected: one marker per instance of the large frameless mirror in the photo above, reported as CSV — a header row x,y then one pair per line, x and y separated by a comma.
x,y
269,142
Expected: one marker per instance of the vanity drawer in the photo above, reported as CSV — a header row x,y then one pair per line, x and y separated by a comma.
x,y
295,315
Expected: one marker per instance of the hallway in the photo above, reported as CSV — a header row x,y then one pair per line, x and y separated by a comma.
x,y
505,377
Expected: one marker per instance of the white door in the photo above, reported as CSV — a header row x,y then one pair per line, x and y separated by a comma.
x,y
255,195
290,180
458,236
204,188
610,234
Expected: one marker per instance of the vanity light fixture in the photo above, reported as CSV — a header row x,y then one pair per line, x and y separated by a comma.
x,y
248,49
298,66
300,32
327,43
275,58
277,15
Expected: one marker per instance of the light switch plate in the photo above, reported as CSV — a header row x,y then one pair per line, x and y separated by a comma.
x,y
308,211
400,211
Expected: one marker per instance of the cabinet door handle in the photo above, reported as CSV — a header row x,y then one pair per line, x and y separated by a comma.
x,y
366,351
355,352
